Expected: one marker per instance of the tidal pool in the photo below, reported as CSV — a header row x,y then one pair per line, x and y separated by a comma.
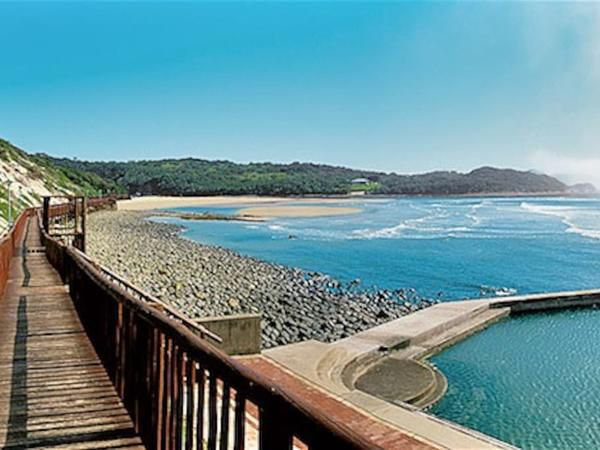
x,y
531,380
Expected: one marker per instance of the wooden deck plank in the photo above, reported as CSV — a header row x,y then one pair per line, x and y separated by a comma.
x,y
54,391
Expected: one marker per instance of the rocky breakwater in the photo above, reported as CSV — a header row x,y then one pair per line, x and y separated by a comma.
x,y
205,281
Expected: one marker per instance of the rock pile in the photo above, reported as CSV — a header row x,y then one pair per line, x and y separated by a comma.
x,y
211,281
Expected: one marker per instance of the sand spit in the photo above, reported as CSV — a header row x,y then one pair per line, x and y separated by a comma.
x,y
209,281
297,211
157,202
148,203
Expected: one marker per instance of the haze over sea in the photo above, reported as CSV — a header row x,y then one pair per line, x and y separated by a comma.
x,y
447,248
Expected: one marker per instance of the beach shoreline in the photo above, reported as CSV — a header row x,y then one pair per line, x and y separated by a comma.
x,y
205,281
150,202
250,206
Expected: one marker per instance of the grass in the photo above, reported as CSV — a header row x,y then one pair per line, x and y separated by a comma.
x,y
368,187
16,207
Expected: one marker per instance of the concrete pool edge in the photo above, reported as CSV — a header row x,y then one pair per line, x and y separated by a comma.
x,y
335,367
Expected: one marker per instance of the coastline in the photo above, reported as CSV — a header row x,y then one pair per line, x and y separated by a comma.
x,y
422,344
252,207
203,280
266,212
157,202
147,203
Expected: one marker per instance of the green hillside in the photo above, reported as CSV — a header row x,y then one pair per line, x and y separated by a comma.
x,y
33,176
202,177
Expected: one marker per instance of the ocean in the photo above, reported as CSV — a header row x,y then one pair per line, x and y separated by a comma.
x,y
444,248
531,380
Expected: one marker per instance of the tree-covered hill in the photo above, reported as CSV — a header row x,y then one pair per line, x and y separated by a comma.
x,y
202,177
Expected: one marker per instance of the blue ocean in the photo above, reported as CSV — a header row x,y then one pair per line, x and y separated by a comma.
x,y
444,248
531,380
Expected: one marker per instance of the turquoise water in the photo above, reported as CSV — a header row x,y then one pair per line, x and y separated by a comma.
x,y
533,380
443,248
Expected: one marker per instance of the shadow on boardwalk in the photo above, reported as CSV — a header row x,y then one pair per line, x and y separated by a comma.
x,y
54,392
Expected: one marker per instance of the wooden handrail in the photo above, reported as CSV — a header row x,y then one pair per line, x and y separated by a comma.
x,y
150,299
282,414
8,246
180,390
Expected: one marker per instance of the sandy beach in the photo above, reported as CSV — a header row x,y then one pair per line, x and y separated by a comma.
x,y
269,206
150,202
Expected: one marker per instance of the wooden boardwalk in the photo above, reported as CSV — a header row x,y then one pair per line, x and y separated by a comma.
x,y
54,392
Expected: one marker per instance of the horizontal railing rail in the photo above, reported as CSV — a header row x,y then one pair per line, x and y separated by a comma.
x,y
8,246
181,391
152,301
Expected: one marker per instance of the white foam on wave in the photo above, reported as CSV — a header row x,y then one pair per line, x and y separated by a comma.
x,y
428,226
472,214
548,210
403,228
594,234
389,232
498,291
505,292
476,219
568,216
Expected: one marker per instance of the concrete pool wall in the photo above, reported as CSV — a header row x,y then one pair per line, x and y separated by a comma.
x,y
364,369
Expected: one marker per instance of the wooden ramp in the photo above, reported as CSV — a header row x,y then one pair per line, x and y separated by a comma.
x,y
54,392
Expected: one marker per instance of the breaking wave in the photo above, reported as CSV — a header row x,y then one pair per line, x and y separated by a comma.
x,y
581,221
481,219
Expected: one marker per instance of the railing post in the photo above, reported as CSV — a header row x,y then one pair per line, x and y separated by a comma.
x,y
181,391
84,212
274,430
46,214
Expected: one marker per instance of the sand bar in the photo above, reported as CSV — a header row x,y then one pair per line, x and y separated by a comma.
x,y
158,202
277,206
297,211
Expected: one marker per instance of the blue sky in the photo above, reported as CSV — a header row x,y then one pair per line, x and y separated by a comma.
x,y
404,87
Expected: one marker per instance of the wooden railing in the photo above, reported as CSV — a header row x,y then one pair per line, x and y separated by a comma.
x,y
8,247
181,391
152,301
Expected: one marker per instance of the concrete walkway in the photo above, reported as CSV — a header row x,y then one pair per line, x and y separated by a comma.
x,y
361,369
336,367
382,434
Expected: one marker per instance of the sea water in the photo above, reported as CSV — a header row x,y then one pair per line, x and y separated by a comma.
x,y
444,248
532,380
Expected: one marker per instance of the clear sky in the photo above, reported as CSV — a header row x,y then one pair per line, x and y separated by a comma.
x,y
403,87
